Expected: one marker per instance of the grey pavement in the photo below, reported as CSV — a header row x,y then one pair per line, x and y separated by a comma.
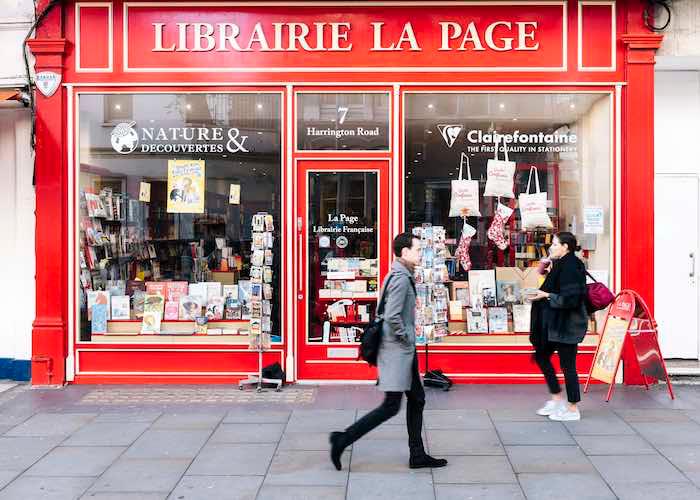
x,y
215,442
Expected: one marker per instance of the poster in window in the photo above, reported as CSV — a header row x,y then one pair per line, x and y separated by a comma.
x,y
186,186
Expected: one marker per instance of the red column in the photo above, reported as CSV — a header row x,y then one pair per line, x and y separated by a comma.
x,y
49,340
637,243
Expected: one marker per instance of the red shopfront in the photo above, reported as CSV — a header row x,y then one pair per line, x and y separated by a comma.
x,y
341,125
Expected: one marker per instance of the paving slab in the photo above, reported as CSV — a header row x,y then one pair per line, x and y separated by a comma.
x,y
483,442
306,441
615,445
686,458
247,433
599,424
660,434
457,419
652,415
243,416
549,459
229,459
475,469
168,443
122,495
381,455
46,488
188,421
565,486
272,492
127,417
107,434
212,487
301,468
533,433
478,492
76,461
6,476
141,475
406,486
20,453
643,469
51,424
320,420
656,491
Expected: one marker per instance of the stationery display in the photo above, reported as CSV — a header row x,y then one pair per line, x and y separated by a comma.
x,y
432,298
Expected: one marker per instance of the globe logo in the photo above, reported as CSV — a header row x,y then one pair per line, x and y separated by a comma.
x,y
124,138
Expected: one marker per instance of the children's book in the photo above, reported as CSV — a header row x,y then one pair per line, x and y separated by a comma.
x,y
138,301
121,309
215,308
175,289
99,318
154,303
151,322
198,290
156,288
190,307
498,320
477,321
521,317
97,297
172,310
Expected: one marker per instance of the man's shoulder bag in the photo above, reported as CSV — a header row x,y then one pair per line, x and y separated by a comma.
x,y
371,338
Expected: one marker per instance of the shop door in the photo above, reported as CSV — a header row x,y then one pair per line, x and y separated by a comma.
x,y
342,254
675,256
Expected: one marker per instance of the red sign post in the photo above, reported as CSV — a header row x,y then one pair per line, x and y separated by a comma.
x,y
628,321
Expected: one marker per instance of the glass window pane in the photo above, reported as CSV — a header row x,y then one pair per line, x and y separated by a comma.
x,y
168,188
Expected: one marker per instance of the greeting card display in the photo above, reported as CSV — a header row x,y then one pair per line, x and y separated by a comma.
x,y
258,291
432,301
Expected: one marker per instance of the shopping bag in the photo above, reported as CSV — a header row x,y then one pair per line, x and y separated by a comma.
x,y
464,201
499,175
533,207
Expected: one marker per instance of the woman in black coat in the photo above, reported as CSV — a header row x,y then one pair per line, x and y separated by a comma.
x,y
558,323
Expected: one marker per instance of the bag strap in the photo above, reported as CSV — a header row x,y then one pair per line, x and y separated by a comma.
x,y
495,149
529,179
591,276
462,156
382,299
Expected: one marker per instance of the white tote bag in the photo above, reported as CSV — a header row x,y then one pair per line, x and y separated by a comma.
x,y
533,207
499,175
465,194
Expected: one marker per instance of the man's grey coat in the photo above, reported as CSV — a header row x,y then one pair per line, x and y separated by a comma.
x,y
398,346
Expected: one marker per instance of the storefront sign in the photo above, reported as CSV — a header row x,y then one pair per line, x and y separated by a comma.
x,y
47,82
217,37
126,138
517,141
342,223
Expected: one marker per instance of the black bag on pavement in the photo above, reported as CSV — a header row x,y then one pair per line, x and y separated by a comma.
x,y
274,371
371,338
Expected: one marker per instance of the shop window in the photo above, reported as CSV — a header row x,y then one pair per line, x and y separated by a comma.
x,y
563,141
179,217
348,121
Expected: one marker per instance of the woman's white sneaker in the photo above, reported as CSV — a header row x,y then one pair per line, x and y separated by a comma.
x,y
550,407
564,414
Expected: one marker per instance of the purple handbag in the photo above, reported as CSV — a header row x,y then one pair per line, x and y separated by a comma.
x,y
598,296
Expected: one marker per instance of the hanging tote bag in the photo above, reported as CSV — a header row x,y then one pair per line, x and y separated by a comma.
x,y
499,175
533,207
464,201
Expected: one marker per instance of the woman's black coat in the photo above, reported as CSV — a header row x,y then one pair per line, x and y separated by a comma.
x,y
563,317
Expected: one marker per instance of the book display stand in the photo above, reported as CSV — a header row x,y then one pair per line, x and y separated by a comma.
x,y
261,295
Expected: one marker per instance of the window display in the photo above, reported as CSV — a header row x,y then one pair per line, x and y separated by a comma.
x,y
536,164
170,190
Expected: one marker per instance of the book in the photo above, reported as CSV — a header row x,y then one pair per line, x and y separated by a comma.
x,y
231,291
151,322
175,289
156,288
521,317
482,285
172,310
232,308
133,285
244,297
201,325
99,318
215,308
95,206
507,292
154,303
97,297
198,290
477,321
121,309
138,301
190,307
498,320
213,289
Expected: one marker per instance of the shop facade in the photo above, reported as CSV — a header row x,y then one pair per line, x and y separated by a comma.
x,y
250,163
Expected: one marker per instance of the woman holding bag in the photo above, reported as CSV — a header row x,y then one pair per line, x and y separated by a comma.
x,y
558,322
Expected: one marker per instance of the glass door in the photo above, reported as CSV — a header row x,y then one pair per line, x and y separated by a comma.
x,y
342,223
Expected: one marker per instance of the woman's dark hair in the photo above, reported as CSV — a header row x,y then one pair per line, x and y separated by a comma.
x,y
403,240
568,239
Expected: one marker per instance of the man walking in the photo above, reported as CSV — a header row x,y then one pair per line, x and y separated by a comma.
x,y
397,361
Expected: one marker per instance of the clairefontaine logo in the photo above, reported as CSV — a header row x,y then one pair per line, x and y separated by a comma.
x,y
450,133
124,138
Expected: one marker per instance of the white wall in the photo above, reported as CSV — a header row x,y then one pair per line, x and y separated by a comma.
x,y
15,20
17,223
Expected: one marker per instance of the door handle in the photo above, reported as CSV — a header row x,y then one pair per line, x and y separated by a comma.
x,y
300,248
692,264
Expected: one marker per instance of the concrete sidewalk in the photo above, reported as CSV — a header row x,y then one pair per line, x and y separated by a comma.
x,y
184,442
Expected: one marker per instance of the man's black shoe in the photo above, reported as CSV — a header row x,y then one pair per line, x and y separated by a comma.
x,y
337,447
426,461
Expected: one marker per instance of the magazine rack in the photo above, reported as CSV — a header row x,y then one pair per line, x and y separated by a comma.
x,y
258,380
